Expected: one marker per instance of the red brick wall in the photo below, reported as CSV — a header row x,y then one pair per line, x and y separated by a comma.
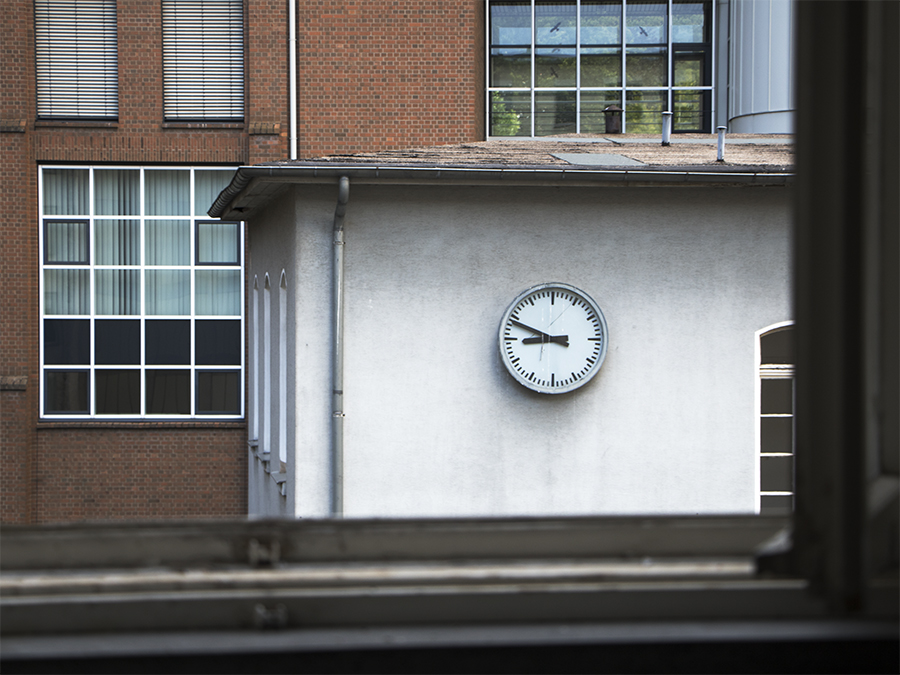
x,y
380,74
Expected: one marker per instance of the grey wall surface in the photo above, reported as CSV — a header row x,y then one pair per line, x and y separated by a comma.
x,y
435,425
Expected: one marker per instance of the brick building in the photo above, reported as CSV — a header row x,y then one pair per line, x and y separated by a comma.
x,y
123,349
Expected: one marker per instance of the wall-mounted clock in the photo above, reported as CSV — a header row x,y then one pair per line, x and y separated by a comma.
x,y
553,338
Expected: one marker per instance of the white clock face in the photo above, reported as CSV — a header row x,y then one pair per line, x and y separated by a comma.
x,y
553,338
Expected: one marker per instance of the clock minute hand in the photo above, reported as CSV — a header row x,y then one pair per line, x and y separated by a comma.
x,y
533,330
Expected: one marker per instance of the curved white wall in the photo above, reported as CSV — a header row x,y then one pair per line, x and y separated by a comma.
x,y
760,97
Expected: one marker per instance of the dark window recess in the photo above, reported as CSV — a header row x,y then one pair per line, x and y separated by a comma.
x,y
168,392
778,347
67,342
117,342
118,392
167,342
776,505
776,474
66,391
777,434
777,397
217,342
218,392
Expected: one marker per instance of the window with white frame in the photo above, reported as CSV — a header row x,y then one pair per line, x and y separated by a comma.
x,y
562,66
141,294
776,419
203,60
76,59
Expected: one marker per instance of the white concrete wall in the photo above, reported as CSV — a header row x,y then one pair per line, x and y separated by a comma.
x,y
435,425
761,66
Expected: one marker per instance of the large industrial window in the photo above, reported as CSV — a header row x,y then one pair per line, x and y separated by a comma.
x,y
775,404
566,67
141,294
203,60
76,60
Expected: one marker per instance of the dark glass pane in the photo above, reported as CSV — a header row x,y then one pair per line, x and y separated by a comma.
x,y
510,113
593,104
511,67
554,113
777,396
776,474
118,392
117,342
691,21
601,23
646,67
776,505
689,69
66,391
217,343
776,434
168,392
167,342
554,23
645,22
555,67
67,341
218,392
643,111
778,346
601,68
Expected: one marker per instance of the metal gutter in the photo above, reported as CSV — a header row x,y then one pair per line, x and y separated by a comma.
x,y
247,178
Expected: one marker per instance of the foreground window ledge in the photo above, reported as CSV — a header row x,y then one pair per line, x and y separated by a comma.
x,y
46,425
71,124
202,125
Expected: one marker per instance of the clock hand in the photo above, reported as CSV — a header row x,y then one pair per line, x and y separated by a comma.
x,y
558,339
533,330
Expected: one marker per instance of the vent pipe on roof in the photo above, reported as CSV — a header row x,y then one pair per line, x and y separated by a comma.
x,y
337,363
667,128
720,155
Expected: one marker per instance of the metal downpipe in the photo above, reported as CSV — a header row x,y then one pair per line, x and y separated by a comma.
x,y
337,392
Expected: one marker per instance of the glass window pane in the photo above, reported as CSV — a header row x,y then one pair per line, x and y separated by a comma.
x,y
645,22
168,292
66,391
511,67
691,21
554,23
218,392
218,243
117,292
691,110
66,242
776,434
218,292
168,242
555,67
117,192
66,192
778,347
168,392
776,474
67,342
646,67
117,342
643,111
217,343
167,192
776,505
117,392
601,67
510,113
67,292
689,69
117,242
167,342
554,113
207,186
601,23
510,23
593,103
777,397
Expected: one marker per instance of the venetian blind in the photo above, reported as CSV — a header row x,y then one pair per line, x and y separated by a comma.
x,y
76,58
203,59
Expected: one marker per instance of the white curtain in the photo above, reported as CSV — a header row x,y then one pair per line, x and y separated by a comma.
x,y
217,243
167,192
66,292
67,242
218,292
117,292
117,192
65,192
207,186
168,292
117,242
168,242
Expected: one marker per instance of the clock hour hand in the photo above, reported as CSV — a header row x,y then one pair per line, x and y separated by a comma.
x,y
558,339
